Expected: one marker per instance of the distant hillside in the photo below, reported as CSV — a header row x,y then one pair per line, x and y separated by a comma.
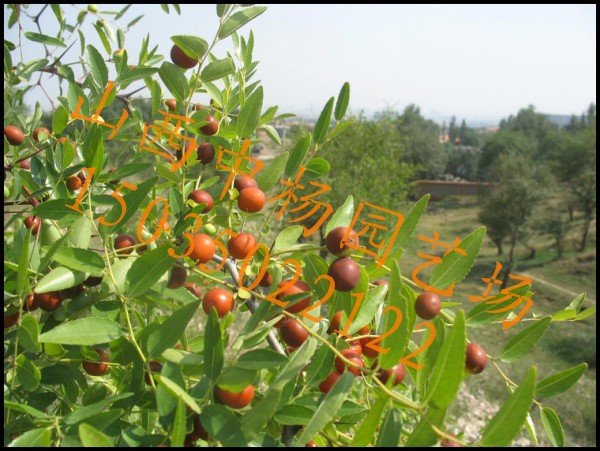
x,y
559,119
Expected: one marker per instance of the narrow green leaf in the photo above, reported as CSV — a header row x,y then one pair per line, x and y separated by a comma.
x,y
177,392
223,425
93,148
27,374
147,269
92,437
317,167
389,435
366,432
455,267
23,263
91,410
214,92
560,382
292,415
328,409
55,209
342,101
193,46
403,298
42,38
271,173
520,345
411,220
577,303
35,438
103,39
322,363
130,76
506,424
342,216
239,19
297,155
450,364
272,133
322,125
213,353
170,331
80,233
261,358
59,279
98,68
250,114
85,332
368,308
217,69
174,79
553,427
81,259
24,409
178,431
586,313
564,315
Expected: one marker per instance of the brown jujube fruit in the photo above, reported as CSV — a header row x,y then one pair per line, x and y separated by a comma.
x,y
36,132
204,248
33,224
240,246
10,319
298,287
171,104
48,301
345,273
428,305
351,355
14,135
398,372
244,181
180,59
251,200
236,400
206,153
328,383
73,183
123,241
202,197
334,239
293,333
266,280
219,298
476,358
94,368
212,126
177,278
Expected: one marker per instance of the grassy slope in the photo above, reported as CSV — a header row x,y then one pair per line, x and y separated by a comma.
x,y
555,283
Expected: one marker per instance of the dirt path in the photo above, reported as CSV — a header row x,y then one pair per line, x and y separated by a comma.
x,y
558,287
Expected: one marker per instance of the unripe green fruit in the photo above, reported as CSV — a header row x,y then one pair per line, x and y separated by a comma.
x,y
6,192
93,8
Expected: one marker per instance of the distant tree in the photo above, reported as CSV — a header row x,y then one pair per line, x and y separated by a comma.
x,y
500,143
508,205
462,161
557,225
420,140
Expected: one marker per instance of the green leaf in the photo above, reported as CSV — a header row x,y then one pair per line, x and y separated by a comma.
x,y
564,315
272,133
297,155
553,428
91,410
193,46
480,316
317,167
342,216
217,69
177,392
342,101
322,363
286,238
60,117
403,298
167,334
389,435
59,279
328,409
27,375
81,259
560,382
147,269
261,358
520,345
270,174
239,19
133,201
292,415
23,262
80,233
92,437
366,432
213,353
577,303
98,68
174,79
178,431
93,148
250,114
450,364
509,420
322,125
214,92
55,209
24,408
586,313
423,435
85,332
235,379
35,438
411,220
28,333
130,76
455,267
42,38
368,308
223,425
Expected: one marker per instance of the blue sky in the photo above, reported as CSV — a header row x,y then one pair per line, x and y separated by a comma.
x,y
476,62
